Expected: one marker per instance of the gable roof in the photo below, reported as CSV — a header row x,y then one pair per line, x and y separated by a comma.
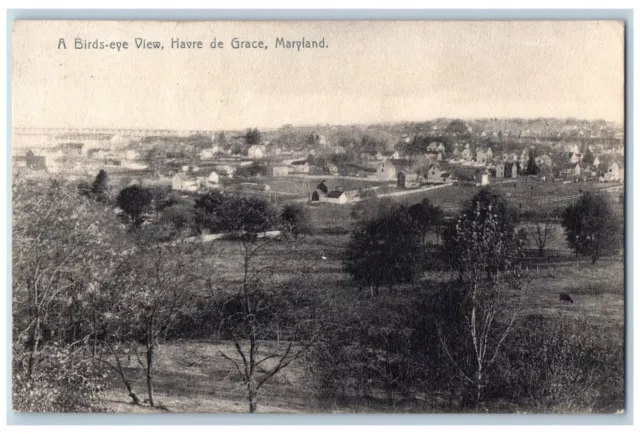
x,y
335,194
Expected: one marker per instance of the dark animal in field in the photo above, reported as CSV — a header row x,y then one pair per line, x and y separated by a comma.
x,y
566,297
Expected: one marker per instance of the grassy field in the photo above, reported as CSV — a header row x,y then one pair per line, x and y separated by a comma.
x,y
194,377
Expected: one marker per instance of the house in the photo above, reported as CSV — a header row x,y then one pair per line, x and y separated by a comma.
x,y
466,154
508,169
615,172
433,147
435,173
278,170
433,156
482,178
390,155
386,171
185,182
336,196
256,151
300,166
571,170
407,179
484,155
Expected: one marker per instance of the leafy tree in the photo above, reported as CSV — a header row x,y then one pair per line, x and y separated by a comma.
x,y
485,210
253,136
427,218
221,139
476,314
218,212
531,167
100,186
591,227
384,250
457,126
135,201
249,214
295,219
588,157
210,211
64,246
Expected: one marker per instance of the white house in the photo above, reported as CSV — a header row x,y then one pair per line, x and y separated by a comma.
x,y
300,166
386,171
614,172
335,197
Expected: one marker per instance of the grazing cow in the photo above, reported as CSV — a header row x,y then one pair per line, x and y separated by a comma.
x,y
566,297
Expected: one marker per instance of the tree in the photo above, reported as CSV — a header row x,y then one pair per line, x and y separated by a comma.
x,y
253,136
384,251
63,247
221,139
427,218
531,167
476,314
100,186
500,251
210,211
591,227
295,219
270,324
135,201
153,286
588,157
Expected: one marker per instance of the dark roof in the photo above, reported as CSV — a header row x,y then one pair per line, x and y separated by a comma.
x,y
298,163
335,194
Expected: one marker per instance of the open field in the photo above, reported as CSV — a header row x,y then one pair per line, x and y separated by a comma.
x,y
194,377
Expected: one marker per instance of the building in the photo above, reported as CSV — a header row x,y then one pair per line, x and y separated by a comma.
x,y
614,173
482,178
390,155
436,174
278,170
571,170
466,154
300,166
256,151
484,155
335,196
386,171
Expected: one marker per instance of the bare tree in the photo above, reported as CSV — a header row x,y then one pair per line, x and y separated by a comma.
x,y
270,324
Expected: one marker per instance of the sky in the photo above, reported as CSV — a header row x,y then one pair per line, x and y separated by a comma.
x,y
370,72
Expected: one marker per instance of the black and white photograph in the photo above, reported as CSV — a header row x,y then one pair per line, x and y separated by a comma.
x,y
318,217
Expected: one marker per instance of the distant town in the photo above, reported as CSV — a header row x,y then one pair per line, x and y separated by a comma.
x,y
333,164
